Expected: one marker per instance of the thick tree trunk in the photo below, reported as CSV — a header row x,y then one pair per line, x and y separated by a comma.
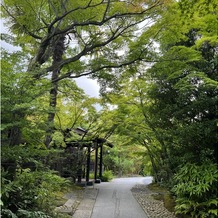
x,y
51,114
14,136
58,51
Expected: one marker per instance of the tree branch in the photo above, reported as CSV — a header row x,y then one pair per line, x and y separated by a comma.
x,y
58,18
98,23
24,27
68,75
118,32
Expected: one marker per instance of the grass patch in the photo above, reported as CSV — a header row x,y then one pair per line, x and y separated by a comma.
x,y
60,199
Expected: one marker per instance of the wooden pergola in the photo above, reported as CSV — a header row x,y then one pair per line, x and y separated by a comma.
x,y
96,144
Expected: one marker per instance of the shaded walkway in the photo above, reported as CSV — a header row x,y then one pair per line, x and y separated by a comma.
x,y
113,200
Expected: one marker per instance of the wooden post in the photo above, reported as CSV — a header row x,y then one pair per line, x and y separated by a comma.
x,y
96,160
88,164
101,161
79,171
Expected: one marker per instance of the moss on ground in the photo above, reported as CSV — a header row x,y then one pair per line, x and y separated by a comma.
x,y
164,195
60,199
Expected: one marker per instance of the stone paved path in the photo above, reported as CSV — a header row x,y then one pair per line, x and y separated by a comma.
x,y
112,200
120,198
84,210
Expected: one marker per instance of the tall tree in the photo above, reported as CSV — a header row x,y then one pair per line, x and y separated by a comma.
x,y
176,98
185,80
63,36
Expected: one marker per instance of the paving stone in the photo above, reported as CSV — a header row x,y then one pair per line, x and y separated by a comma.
x,y
86,204
82,214
84,210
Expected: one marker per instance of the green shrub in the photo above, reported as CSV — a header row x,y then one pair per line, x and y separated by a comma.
x,y
30,194
28,187
196,190
24,214
91,175
107,176
32,214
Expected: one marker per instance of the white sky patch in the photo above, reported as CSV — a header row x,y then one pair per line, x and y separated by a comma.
x,y
89,86
3,28
5,45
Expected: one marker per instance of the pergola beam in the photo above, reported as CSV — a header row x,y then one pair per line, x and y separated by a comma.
x,y
96,162
88,164
101,161
96,143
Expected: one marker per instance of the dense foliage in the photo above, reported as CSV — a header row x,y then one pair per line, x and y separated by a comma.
x,y
156,64
28,187
196,190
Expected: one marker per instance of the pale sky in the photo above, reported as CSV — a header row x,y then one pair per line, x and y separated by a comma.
x,y
90,86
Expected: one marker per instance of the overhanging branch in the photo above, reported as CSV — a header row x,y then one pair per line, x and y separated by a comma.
x,y
112,66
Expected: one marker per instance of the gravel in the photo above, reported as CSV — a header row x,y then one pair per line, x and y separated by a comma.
x,y
153,208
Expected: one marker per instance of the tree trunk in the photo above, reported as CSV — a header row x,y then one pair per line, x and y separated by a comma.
x,y
14,136
154,167
58,51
